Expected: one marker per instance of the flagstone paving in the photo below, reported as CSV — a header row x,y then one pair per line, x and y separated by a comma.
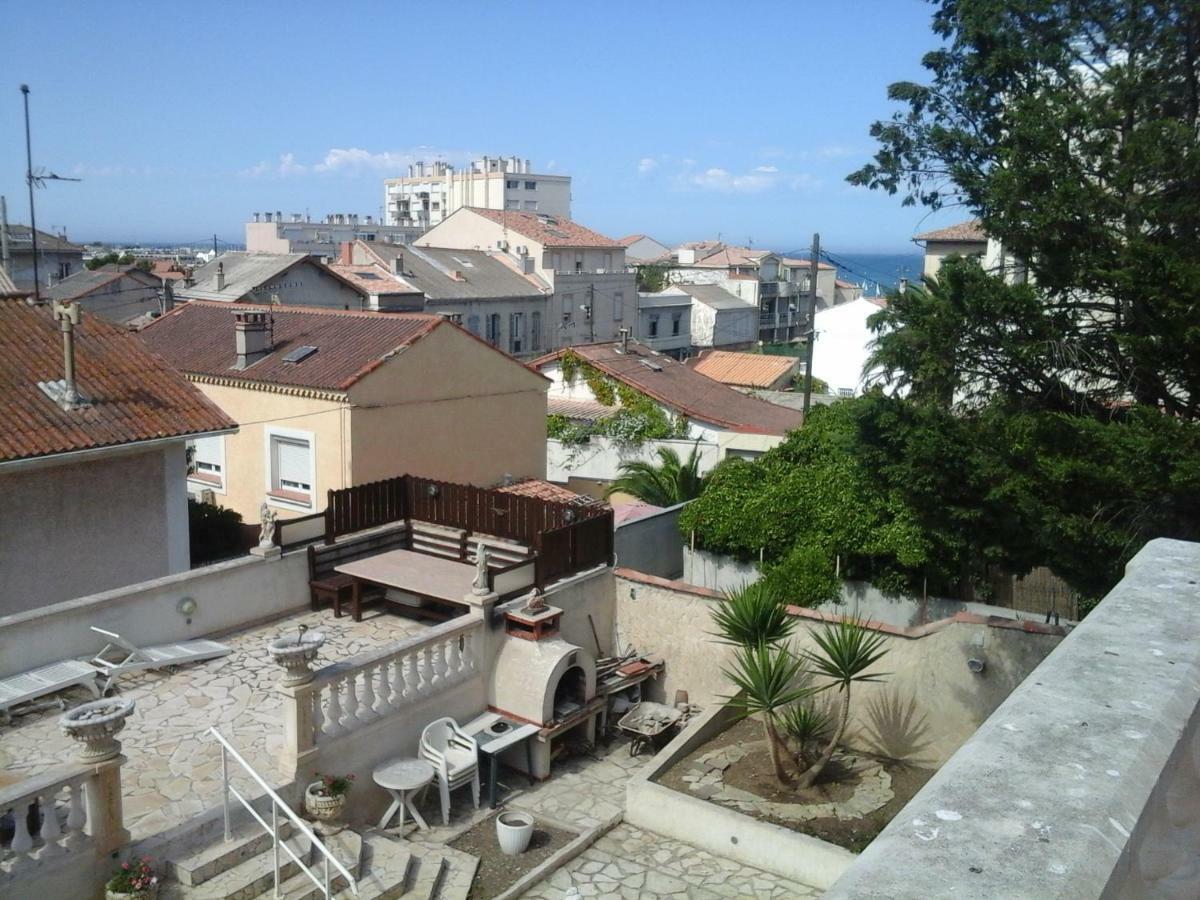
x,y
173,770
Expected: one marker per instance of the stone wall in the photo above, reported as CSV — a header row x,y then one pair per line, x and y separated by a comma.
x,y
1085,782
927,707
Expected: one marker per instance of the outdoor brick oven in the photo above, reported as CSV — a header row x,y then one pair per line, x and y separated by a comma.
x,y
541,678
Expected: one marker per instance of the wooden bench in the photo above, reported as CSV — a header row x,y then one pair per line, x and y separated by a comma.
x,y
326,585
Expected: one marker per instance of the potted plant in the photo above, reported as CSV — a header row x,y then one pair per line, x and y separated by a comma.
x,y
135,880
325,797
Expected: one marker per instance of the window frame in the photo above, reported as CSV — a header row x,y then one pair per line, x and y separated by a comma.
x,y
516,332
535,331
618,305
279,496
215,483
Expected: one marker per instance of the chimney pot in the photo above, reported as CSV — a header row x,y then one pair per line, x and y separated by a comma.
x,y
220,276
398,264
250,336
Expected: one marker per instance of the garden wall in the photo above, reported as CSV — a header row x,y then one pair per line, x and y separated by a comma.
x,y
928,706
652,543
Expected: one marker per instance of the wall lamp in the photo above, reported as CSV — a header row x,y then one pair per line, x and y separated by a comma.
x,y
186,607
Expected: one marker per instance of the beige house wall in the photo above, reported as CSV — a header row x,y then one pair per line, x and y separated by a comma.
x,y
449,407
257,413
91,524
936,251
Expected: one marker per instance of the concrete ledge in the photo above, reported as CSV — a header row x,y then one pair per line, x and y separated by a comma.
x,y
559,859
1085,782
725,832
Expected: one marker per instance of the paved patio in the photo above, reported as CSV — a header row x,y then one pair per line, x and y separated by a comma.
x,y
174,767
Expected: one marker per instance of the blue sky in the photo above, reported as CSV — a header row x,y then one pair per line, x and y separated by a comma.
x,y
677,120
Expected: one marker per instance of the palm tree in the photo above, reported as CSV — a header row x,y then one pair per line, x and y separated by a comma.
x,y
665,484
769,679
847,650
753,614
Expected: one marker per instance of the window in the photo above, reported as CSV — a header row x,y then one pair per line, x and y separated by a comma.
x,y
531,205
535,331
473,325
676,322
556,262
607,262
568,307
512,185
578,263
516,333
654,325
531,185
618,306
436,205
290,469
845,392
64,269
512,204
493,328
207,468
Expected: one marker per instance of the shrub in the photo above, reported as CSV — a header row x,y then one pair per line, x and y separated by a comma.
x,y
214,531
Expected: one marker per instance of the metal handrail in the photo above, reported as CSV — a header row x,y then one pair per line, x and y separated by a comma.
x,y
273,829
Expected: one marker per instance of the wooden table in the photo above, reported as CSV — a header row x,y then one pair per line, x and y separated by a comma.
x,y
402,778
411,572
493,743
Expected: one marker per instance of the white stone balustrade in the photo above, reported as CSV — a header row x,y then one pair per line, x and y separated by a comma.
x,y
77,813
346,696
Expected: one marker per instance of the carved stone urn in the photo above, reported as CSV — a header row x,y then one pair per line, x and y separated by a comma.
x,y
95,725
294,654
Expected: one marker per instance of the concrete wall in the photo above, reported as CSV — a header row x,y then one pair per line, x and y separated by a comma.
x,y
716,572
308,285
573,291
927,707
228,596
936,251
128,297
1085,783
652,544
600,459
432,409
49,266
843,345
91,524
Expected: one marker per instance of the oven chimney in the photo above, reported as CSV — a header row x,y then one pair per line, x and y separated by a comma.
x,y
251,337
220,276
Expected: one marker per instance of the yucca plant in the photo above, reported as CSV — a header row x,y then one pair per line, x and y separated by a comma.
x,y
667,483
769,678
753,614
847,650
806,725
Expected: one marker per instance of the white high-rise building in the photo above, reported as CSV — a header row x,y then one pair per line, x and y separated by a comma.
x,y
431,191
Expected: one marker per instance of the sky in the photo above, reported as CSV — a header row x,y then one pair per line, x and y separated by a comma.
x,y
684,121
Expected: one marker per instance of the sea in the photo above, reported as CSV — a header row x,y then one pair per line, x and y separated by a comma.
x,y
871,269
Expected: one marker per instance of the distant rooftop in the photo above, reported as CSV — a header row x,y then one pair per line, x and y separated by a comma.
x,y
550,231
964,232
753,370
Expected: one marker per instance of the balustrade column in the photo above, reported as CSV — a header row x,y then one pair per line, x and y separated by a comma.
x,y
335,707
51,831
366,711
385,687
412,685
77,817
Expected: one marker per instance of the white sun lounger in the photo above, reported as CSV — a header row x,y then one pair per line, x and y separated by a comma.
x,y
120,656
47,680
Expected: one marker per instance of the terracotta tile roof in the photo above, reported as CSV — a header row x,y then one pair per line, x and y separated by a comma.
x,y
677,387
165,268
371,278
798,263
964,232
580,410
134,395
548,490
756,370
8,288
731,256
549,231
631,512
198,338
630,239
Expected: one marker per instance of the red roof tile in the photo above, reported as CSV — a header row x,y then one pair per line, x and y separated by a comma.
x,y
550,231
964,232
677,387
198,338
134,396
758,370
548,490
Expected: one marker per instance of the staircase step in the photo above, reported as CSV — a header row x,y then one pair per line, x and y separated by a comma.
x,y
450,871
251,878
212,859
347,848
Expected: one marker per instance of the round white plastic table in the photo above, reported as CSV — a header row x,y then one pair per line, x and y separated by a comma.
x,y
403,778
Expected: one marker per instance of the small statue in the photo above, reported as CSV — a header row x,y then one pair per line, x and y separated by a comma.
x,y
266,532
537,601
480,585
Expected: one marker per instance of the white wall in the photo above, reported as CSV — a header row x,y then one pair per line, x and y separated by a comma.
x,y
843,345
91,524
600,458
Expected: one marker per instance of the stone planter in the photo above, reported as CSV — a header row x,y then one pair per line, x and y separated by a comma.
x,y
513,831
149,894
95,725
322,807
294,655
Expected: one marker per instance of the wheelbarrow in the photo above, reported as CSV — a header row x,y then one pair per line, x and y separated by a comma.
x,y
648,724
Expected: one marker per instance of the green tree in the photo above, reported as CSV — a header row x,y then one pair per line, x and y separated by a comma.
x,y
652,279
769,679
1072,129
666,483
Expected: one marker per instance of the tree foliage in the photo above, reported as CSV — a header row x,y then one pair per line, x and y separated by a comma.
x,y
668,482
1073,131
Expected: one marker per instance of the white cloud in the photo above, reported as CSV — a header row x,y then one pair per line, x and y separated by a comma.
x,y
353,161
767,170
837,151
725,182
550,165
646,165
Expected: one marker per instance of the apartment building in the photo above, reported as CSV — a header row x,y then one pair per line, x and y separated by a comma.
x,y
57,258
432,191
594,297
269,233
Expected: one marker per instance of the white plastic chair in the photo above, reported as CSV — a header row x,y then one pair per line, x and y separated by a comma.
x,y
454,755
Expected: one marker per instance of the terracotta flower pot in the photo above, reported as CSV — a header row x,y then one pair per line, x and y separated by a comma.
x,y
321,806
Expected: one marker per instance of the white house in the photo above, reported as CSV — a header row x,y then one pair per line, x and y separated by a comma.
x,y
294,279
664,321
269,233
121,294
721,319
93,487
843,345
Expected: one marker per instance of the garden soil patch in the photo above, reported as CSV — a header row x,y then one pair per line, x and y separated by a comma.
x,y
755,774
497,872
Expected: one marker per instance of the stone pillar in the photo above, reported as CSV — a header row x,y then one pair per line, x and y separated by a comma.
x,y
105,815
298,744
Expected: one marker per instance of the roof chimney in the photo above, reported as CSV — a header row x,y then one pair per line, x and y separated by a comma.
x,y
65,393
398,264
256,217
220,276
624,332
251,337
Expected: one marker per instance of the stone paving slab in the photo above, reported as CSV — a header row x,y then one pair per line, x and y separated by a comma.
x,y
174,767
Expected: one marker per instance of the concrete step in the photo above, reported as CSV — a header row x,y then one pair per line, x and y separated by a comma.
x,y
348,848
211,859
250,878
450,871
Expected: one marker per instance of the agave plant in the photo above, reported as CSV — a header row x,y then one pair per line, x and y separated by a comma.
x,y
805,724
753,614
847,650
769,679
